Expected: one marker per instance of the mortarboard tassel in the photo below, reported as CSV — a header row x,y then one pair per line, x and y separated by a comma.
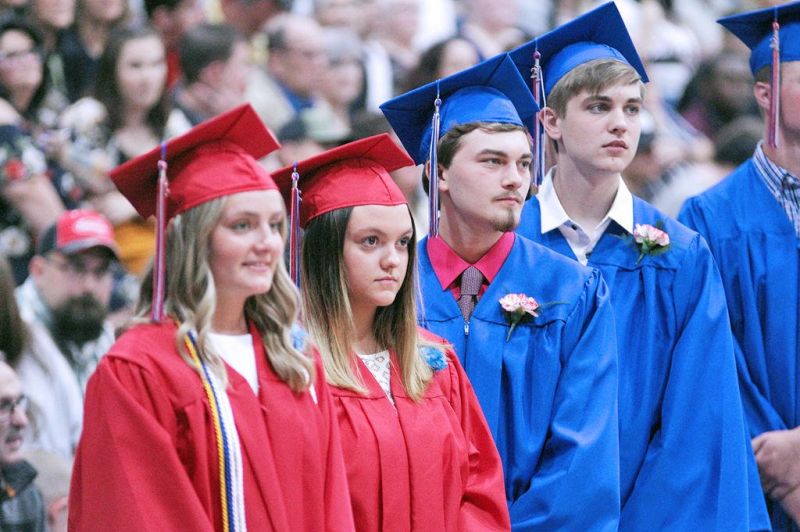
x,y
159,270
775,86
294,229
537,88
433,182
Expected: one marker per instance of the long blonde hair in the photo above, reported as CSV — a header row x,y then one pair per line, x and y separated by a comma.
x,y
330,319
190,299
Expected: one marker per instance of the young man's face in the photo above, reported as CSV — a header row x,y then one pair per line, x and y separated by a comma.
x,y
487,181
599,133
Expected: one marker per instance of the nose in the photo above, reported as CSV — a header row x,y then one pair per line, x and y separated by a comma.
x,y
391,259
19,417
270,239
515,176
618,121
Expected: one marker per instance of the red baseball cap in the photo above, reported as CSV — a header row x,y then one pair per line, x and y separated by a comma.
x,y
76,231
215,158
354,174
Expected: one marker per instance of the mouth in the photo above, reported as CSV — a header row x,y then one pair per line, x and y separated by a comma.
x,y
260,266
618,144
514,199
387,279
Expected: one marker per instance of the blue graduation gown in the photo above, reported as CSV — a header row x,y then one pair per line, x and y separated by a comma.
x,y
756,249
549,392
684,451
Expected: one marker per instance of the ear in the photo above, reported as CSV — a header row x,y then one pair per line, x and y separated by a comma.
x,y
551,123
761,91
212,73
36,266
444,185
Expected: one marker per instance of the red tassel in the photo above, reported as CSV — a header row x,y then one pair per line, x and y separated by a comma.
x,y
159,268
294,229
433,182
775,88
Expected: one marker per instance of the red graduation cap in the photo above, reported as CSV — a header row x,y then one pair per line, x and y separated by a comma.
x,y
354,174
215,158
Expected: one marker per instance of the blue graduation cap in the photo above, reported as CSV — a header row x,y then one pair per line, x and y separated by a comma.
x,y
491,91
755,29
598,34
773,36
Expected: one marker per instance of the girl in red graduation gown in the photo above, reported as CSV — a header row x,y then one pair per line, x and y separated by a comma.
x,y
210,418
418,452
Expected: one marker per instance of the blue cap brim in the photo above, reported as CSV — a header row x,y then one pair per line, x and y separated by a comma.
x,y
491,91
755,30
600,33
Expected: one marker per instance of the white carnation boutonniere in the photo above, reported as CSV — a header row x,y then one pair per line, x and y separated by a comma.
x,y
650,240
518,308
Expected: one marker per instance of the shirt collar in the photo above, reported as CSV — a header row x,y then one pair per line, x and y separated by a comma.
x,y
448,266
553,214
775,177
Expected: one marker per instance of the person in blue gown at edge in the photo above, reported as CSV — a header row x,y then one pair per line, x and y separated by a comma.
x,y
544,368
751,221
685,459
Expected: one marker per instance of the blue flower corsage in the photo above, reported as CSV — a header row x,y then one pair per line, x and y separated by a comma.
x,y
435,358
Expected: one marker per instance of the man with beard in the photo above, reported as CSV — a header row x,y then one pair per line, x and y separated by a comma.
x,y
533,330
64,303
21,505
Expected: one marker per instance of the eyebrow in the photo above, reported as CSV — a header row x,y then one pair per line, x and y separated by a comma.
x,y
604,98
500,153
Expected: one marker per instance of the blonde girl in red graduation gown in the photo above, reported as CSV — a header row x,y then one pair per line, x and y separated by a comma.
x,y
211,418
418,452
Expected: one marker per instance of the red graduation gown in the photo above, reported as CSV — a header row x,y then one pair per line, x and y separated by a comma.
x,y
430,465
147,458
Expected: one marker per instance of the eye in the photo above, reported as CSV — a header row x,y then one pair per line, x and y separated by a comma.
x,y
493,161
404,242
633,109
525,164
597,107
370,241
276,225
241,225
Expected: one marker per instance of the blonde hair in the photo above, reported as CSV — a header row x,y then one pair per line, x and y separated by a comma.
x,y
330,319
190,299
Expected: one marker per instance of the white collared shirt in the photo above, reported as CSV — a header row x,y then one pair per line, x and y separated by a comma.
x,y
581,241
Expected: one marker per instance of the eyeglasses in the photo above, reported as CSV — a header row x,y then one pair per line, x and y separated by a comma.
x,y
7,407
19,55
78,270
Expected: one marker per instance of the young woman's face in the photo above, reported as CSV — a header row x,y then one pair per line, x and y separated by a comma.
x,y
141,72
21,64
247,244
376,254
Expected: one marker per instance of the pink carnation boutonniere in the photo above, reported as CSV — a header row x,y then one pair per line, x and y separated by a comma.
x,y
518,308
649,240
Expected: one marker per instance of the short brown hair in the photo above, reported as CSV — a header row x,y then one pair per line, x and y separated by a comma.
x,y
448,145
593,77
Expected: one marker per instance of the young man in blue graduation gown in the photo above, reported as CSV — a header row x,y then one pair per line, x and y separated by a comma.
x,y
683,448
547,385
751,221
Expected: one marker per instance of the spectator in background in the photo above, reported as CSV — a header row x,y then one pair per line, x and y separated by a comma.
x,y
21,505
55,406
64,303
342,81
249,16
215,63
172,19
491,25
126,117
290,81
25,83
443,59
18,7
83,44
734,144
350,14
718,93
53,18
